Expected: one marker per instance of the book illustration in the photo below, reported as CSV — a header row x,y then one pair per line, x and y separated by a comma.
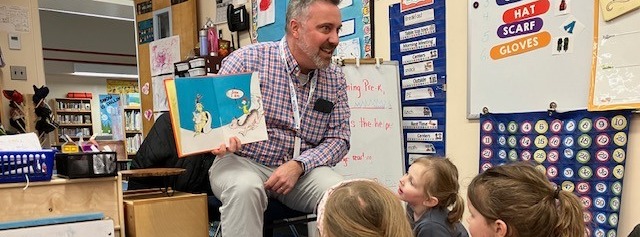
x,y
201,118
251,117
207,111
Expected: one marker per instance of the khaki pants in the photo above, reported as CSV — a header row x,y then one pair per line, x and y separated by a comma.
x,y
239,183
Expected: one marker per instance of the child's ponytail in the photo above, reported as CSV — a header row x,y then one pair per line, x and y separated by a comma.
x,y
456,211
570,211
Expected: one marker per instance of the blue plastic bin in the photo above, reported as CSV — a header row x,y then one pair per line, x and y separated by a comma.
x,y
16,166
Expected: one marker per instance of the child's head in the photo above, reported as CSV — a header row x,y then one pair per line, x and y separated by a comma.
x,y
516,200
362,208
432,182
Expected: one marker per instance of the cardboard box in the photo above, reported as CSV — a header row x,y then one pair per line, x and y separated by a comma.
x,y
157,214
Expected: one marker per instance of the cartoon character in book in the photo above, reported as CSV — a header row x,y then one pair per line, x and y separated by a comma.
x,y
245,106
251,117
201,118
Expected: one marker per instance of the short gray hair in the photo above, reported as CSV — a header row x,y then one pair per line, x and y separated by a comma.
x,y
298,9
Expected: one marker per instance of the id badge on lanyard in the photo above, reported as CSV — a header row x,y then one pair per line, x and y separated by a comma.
x,y
294,99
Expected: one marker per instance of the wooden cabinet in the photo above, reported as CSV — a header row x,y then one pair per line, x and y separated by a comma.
x,y
157,214
62,197
74,117
183,23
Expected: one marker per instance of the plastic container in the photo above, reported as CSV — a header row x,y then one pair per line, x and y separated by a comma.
x,y
87,164
196,63
182,66
197,72
18,166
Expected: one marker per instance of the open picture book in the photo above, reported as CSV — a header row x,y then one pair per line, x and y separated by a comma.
x,y
207,111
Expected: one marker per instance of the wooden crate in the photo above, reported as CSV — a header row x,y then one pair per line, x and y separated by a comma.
x,y
156,214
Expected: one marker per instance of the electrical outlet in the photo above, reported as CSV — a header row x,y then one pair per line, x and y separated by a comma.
x,y
18,73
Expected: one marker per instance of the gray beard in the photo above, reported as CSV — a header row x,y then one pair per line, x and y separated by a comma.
x,y
317,60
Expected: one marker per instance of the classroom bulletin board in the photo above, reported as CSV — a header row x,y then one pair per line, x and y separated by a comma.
x,y
522,55
356,33
418,42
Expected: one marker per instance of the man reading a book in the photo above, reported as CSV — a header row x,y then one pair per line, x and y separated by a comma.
x,y
307,116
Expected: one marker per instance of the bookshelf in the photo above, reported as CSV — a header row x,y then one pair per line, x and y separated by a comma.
x,y
132,128
122,118
74,118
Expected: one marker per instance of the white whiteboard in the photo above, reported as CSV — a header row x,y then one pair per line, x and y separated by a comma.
x,y
616,80
531,80
376,128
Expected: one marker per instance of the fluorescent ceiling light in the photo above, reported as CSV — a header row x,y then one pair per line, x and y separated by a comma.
x,y
104,70
87,14
119,2
99,74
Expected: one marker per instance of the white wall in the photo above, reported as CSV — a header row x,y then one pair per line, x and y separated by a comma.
x,y
463,135
30,56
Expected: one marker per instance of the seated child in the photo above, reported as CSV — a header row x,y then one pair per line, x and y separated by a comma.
x,y
430,188
517,200
361,208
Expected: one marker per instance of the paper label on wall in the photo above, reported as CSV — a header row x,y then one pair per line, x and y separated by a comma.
x,y
419,17
562,7
14,18
266,13
345,3
416,45
420,81
562,45
416,112
348,28
417,68
160,102
417,32
572,26
419,57
406,5
425,137
420,147
420,124
348,48
414,157
163,54
421,93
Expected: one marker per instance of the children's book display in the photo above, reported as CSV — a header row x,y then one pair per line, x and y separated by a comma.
x,y
207,111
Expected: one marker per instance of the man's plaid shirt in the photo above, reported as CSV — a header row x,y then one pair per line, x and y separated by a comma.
x,y
325,136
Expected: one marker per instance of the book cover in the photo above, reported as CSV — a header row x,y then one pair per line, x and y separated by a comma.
x,y
207,111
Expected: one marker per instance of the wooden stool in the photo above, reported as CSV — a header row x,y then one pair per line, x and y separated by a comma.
x,y
155,172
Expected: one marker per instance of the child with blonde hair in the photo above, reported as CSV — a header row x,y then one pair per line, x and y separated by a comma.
x,y
361,208
430,188
516,200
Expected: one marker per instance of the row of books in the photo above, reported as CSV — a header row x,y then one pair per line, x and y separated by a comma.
x,y
133,120
73,119
133,143
74,105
